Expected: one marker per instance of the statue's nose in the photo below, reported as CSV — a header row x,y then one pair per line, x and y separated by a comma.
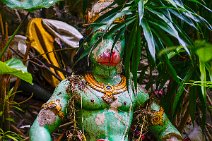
x,y
109,57
110,54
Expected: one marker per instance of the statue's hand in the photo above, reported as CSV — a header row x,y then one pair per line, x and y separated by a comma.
x,y
173,139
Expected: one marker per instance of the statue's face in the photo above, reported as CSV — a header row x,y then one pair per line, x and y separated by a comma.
x,y
105,54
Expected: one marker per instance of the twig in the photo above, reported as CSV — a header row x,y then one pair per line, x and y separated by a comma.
x,y
57,50
209,125
183,121
209,100
18,15
26,99
2,26
17,53
66,124
15,129
26,139
13,35
44,66
208,134
60,137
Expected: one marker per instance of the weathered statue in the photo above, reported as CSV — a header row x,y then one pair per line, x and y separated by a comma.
x,y
104,105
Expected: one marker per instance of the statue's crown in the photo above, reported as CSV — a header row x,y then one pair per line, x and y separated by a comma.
x,y
99,8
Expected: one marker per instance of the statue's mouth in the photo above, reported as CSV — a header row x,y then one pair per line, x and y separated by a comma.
x,y
109,58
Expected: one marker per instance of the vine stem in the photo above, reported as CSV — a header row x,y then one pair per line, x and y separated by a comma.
x,y
13,35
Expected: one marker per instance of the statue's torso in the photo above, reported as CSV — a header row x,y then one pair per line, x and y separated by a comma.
x,y
101,120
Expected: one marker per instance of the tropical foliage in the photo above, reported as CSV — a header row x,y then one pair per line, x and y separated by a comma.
x,y
13,67
163,33
29,5
152,30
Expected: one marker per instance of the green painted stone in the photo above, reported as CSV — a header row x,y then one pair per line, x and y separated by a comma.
x,y
96,118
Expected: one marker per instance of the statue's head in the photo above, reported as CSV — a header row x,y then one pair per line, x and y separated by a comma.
x,y
105,53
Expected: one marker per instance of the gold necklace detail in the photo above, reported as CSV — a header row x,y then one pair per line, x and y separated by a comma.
x,y
108,89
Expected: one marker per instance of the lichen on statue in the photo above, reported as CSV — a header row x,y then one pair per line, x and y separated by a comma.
x,y
100,102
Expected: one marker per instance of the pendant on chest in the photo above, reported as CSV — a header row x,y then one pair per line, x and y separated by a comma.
x,y
108,90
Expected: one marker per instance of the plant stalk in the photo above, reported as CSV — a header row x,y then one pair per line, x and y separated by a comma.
x,y
13,35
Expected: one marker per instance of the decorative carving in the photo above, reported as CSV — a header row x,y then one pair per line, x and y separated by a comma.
x,y
55,107
108,90
99,8
156,117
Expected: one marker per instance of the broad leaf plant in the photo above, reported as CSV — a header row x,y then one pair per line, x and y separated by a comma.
x,y
151,27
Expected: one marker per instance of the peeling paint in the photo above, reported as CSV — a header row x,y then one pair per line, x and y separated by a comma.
x,y
114,105
46,117
127,95
120,118
100,118
76,83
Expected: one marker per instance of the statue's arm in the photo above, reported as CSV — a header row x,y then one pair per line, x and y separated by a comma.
x,y
158,122
160,125
51,114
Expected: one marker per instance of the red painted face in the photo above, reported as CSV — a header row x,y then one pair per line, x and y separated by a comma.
x,y
109,58
106,54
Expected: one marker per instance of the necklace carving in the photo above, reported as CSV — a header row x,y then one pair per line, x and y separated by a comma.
x,y
107,89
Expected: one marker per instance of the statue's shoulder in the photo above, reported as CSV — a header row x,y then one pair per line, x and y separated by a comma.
x,y
76,83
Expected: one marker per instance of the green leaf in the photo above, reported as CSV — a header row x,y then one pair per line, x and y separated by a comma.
x,y
118,37
183,18
11,137
198,2
205,54
84,5
124,12
203,89
120,26
204,51
181,89
197,18
165,16
171,70
29,5
136,56
209,69
128,51
120,2
15,67
149,37
165,27
18,108
192,102
203,78
140,10
162,36
10,119
173,3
